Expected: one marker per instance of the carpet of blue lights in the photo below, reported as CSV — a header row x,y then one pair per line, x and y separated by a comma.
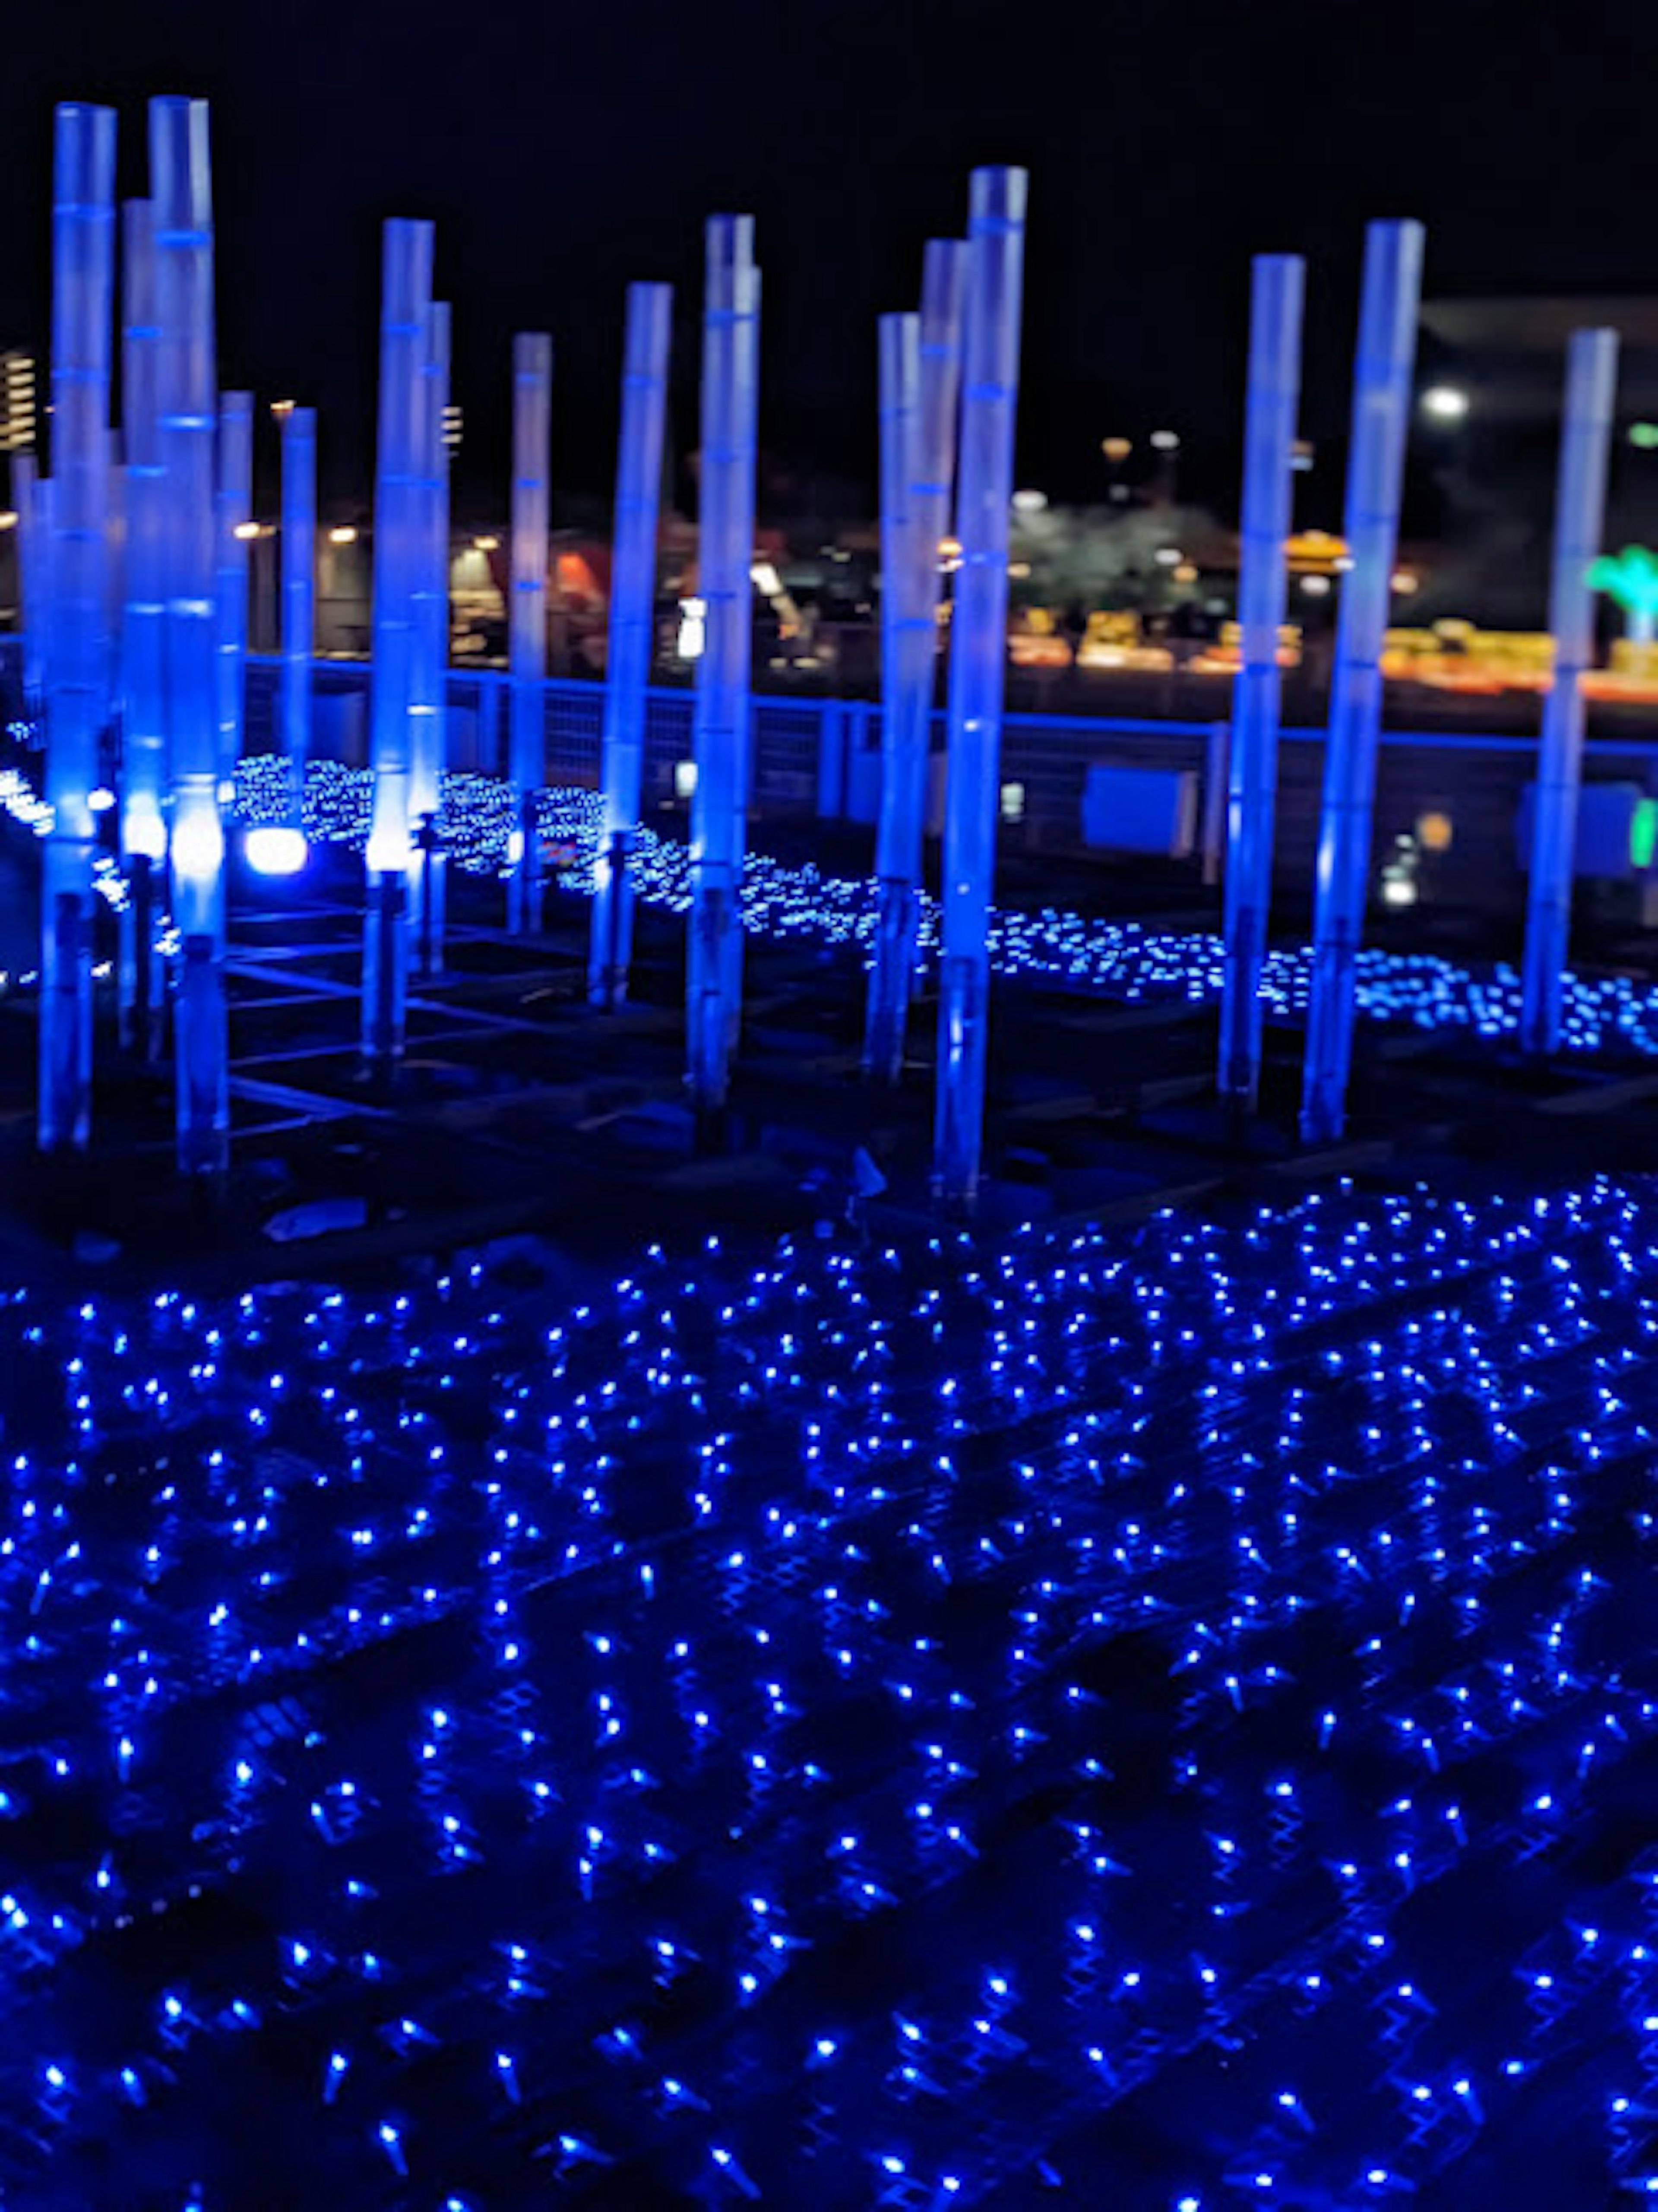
x,y
1610,1014
1156,1718
1602,1015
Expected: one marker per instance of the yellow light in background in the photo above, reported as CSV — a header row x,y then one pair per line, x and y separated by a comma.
x,y
245,530
487,544
8,519
1117,450
1434,831
280,407
1185,574
1405,583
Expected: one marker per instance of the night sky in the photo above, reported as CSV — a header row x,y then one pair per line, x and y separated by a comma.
x,y
563,150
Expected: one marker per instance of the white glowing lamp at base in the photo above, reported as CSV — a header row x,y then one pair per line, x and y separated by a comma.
x,y
273,849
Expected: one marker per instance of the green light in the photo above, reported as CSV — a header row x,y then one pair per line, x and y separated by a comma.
x,y
1644,435
1630,577
1644,833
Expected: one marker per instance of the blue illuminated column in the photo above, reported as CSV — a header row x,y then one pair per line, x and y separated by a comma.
x,y
143,645
31,602
907,730
977,672
298,596
1579,516
720,723
187,397
77,674
632,632
526,618
45,539
1375,469
428,718
904,703
406,299
234,518
1269,436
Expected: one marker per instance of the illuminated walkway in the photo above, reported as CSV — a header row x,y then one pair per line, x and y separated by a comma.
x,y
1075,951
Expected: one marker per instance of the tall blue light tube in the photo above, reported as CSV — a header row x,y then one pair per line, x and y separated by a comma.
x,y
1376,469
406,298
720,721
429,716
31,598
526,618
233,513
299,596
978,672
908,635
181,188
76,674
144,765
907,736
1579,519
632,632
1269,436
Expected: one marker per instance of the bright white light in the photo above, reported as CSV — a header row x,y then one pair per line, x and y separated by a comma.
x,y
274,851
1168,557
226,790
143,833
198,848
514,848
1398,890
342,534
101,799
487,544
1029,502
684,778
693,629
1316,587
1013,802
246,530
767,581
1445,403
8,519
1166,442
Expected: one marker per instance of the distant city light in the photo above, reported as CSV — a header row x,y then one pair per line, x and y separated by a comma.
x,y
1644,435
1316,587
1445,403
487,544
1300,455
280,407
1186,573
1168,557
246,530
342,534
1117,450
8,519
1405,583
1166,442
1029,502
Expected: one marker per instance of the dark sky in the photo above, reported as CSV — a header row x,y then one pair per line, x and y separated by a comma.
x,y
563,149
